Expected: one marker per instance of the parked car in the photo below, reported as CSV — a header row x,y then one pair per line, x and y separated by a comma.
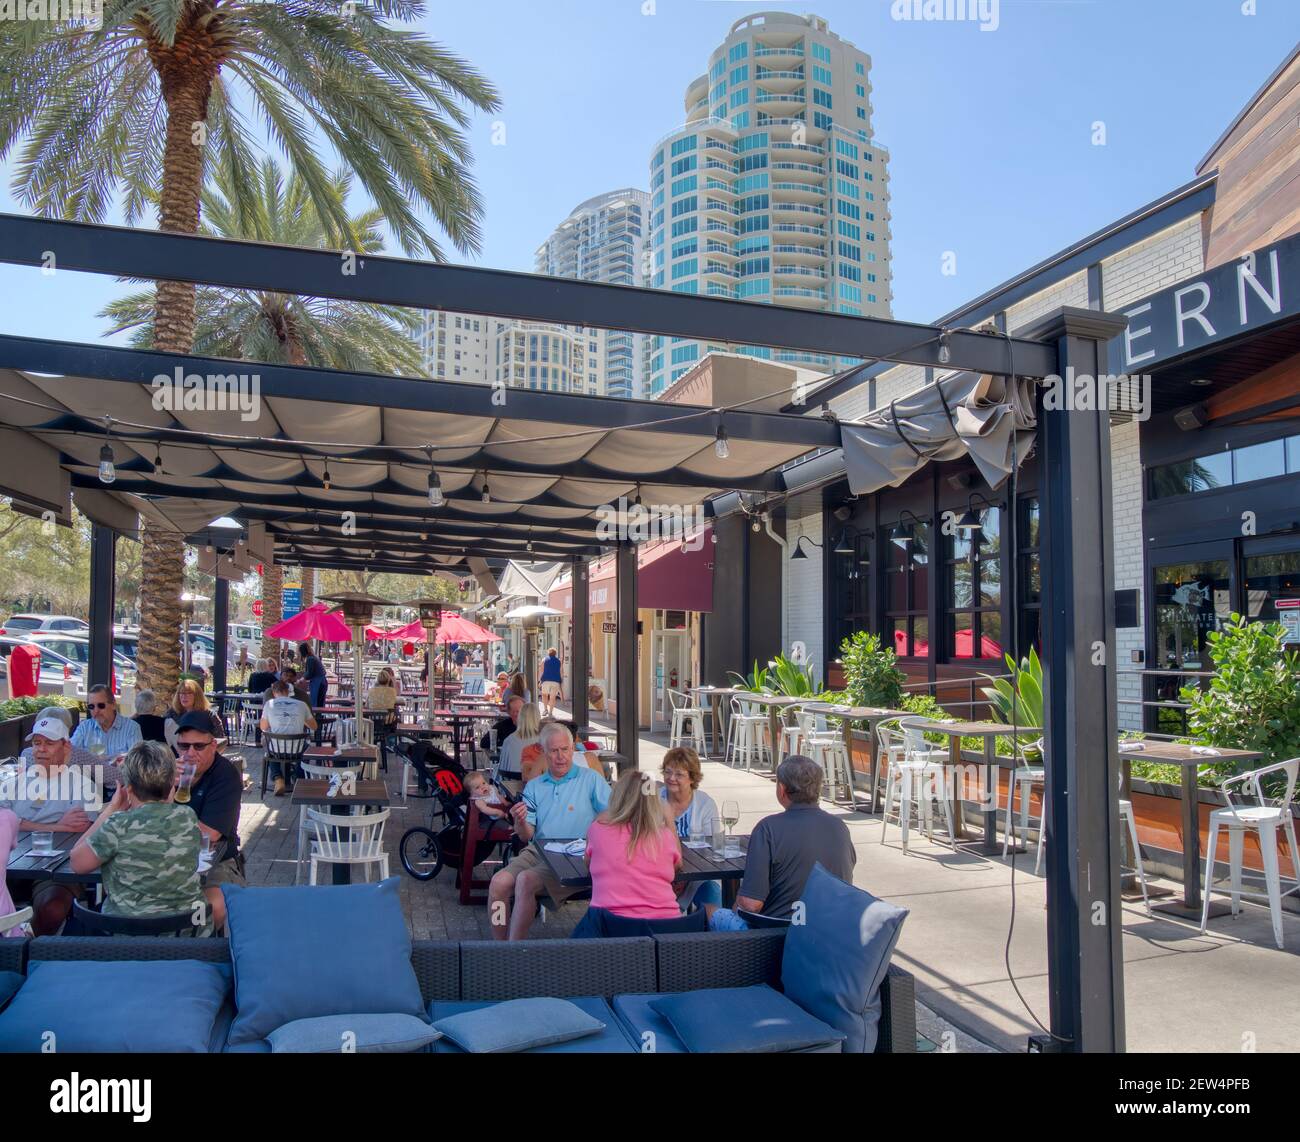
x,y
54,667
16,624
76,649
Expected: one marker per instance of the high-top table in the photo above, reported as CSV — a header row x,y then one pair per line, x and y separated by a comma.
x,y
1174,753
989,732
715,696
776,704
855,715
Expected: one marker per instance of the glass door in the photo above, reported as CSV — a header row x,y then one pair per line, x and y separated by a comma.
x,y
668,653
1271,583
1190,599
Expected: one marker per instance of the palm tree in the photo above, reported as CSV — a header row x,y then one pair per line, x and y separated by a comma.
x,y
162,90
283,328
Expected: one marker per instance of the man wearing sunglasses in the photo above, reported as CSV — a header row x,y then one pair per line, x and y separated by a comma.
x,y
215,795
106,724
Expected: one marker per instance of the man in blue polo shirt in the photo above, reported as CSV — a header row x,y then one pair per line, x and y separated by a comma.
x,y
559,804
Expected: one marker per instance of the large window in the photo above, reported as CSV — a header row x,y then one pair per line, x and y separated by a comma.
x,y
907,592
975,590
851,572
1230,466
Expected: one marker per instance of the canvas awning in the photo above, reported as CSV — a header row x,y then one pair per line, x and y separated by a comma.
x,y
670,577
987,417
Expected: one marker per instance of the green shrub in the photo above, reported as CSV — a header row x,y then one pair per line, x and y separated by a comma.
x,y
20,707
871,674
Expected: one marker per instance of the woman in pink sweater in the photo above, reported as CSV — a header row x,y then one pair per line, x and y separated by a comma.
x,y
633,854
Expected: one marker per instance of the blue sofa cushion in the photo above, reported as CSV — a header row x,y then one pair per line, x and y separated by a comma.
x,y
520,1025
834,963
649,1031
363,1034
116,1006
743,1020
314,950
10,982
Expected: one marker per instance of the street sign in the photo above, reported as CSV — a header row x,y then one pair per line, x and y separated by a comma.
x,y
1288,614
609,628
292,599
257,608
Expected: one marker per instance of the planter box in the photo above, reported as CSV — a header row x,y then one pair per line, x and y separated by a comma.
x,y
14,731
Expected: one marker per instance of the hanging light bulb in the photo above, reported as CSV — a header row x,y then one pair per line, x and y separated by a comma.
x,y
325,476
636,503
945,350
436,498
157,460
756,524
107,473
721,449
485,496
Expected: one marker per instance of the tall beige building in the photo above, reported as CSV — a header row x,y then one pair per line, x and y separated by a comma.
x,y
774,190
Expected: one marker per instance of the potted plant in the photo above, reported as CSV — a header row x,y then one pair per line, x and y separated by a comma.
x,y
1019,699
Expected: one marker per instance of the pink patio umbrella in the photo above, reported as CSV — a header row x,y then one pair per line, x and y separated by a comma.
x,y
313,623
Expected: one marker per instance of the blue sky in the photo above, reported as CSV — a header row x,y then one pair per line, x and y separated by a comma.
x,y
990,133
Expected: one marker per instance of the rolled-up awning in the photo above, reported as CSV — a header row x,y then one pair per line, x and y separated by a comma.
x,y
988,417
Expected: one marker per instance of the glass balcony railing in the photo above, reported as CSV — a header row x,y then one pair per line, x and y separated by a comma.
x,y
795,228
798,208
794,291
765,52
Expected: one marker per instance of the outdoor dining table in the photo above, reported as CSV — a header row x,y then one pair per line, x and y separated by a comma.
x,y
716,695
50,866
855,715
1175,753
989,732
312,792
697,864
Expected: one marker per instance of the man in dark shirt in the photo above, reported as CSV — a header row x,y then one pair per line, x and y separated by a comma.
x,y
215,796
785,846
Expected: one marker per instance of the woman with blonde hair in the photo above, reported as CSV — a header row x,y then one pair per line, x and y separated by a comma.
x,y
383,694
189,697
521,757
633,855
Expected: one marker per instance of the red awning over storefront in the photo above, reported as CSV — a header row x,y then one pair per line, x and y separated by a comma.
x,y
668,579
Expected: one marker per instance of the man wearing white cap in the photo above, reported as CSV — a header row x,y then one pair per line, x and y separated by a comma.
x,y
49,795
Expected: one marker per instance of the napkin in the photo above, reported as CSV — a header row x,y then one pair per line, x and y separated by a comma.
x,y
1130,746
571,848
1206,751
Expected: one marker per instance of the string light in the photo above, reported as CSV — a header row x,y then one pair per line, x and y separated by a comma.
x,y
945,350
325,476
107,472
721,449
157,460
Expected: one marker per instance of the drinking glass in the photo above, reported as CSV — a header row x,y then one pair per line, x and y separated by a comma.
x,y
697,839
185,783
42,843
719,846
730,814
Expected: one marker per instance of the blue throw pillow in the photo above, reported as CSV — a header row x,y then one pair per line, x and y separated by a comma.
x,y
754,1019
364,1034
304,952
517,1025
10,982
834,962
115,1006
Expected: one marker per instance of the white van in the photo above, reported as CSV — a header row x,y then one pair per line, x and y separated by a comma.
x,y
247,635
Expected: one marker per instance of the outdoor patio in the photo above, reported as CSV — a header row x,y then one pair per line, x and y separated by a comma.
x,y
1184,992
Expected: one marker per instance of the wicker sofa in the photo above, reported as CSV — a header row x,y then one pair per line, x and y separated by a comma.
x,y
488,970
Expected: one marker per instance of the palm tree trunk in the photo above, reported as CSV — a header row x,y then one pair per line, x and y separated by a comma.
x,y
308,587
159,661
185,91
272,607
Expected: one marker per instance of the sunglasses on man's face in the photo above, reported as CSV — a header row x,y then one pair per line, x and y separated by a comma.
x,y
192,747
98,705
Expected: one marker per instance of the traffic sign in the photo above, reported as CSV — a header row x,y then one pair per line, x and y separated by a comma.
x,y
257,608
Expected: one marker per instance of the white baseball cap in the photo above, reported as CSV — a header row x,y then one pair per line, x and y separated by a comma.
x,y
49,727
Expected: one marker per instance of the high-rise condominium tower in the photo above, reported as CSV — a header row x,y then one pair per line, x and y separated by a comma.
x,y
774,189
602,240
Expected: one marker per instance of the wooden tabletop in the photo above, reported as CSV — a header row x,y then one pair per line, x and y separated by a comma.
x,y
970,729
855,713
697,864
331,753
767,699
312,792
417,728
1176,753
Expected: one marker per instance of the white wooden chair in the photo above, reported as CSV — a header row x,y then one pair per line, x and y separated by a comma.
x,y
318,773
15,920
357,841
1264,819
687,720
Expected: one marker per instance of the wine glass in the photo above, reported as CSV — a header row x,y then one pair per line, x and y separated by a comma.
x,y
730,815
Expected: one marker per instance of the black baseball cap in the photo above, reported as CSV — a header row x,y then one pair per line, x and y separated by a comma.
x,y
195,720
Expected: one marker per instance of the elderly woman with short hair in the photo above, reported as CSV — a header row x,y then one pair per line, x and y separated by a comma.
x,y
146,845
152,724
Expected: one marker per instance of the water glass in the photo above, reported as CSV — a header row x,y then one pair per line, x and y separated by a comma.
x,y
719,840
697,839
42,844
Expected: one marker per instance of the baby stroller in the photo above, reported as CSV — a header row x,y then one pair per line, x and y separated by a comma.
x,y
425,849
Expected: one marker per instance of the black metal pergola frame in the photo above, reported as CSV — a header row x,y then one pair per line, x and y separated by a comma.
x,y
1085,965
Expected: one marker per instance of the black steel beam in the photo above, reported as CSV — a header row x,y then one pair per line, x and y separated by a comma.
x,y
413,535
437,543
1084,920
220,633
153,254
377,565
625,640
479,461
580,663
376,390
103,552
410,525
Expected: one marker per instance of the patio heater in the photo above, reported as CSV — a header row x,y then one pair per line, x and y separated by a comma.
x,y
187,613
358,609
430,618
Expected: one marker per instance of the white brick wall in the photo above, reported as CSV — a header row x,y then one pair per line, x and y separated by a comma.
x,y
1072,291
1126,524
1152,265
802,578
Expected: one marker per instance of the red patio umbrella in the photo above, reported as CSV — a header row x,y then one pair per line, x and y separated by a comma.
x,y
314,622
